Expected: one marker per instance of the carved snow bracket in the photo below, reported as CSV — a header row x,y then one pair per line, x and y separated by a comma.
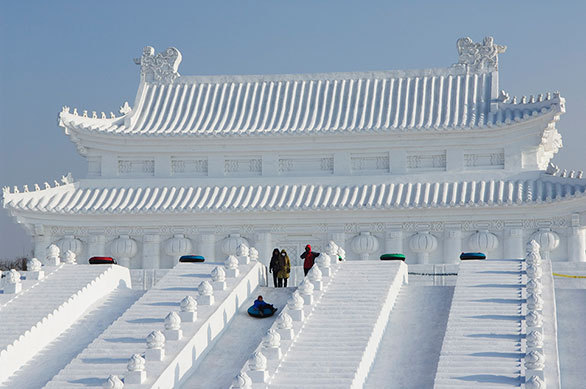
x,y
479,56
161,67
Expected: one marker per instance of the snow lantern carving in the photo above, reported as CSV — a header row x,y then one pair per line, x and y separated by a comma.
x,y
136,363
241,381
69,242
364,244
423,243
177,246
258,361
231,243
172,321
155,339
113,382
547,239
483,241
123,248
33,264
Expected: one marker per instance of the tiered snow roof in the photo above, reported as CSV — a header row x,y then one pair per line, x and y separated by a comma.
x,y
86,197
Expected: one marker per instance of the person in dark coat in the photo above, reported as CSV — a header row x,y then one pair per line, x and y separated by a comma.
x,y
275,265
309,259
285,265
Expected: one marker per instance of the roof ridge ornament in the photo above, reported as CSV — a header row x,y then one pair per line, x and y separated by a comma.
x,y
479,56
161,67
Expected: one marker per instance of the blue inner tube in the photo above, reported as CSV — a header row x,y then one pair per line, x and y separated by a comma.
x,y
254,312
465,256
191,258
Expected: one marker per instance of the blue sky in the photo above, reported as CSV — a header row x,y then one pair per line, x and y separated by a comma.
x,y
80,54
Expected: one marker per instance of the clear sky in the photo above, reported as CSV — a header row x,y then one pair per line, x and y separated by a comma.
x,y
79,53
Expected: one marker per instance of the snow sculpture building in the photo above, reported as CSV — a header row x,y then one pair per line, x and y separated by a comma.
x,y
425,162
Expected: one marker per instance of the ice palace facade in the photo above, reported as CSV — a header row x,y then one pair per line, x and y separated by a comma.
x,y
428,163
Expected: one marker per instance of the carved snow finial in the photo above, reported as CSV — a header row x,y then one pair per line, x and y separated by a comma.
x,y
257,361
112,116
332,248
579,174
75,112
69,257
94,115
16,189
136,363
241,381
253,254
479,56
564,173
218,274
67,179
242,250
533,246
534,360
295,302
231,262
12,277
113,382
188,304
534,319
540,97
205,289
155,339
56,183
532,99
25,188
535,301
534,382
125,108
53,251
5,190
161,67
65,109
271,339
33,264
503,96
284,321
552,169
172,321
306,288
84,113
315,274
47,186
37,187
103,115
535,339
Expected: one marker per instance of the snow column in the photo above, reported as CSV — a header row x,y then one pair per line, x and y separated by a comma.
x,y
96,246
207,247
576,240
394,242
513,247
452,246
41,244
264,245
151,252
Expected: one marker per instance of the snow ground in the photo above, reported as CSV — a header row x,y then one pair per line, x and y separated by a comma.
x,y
237,343
44,366
409,351
571,315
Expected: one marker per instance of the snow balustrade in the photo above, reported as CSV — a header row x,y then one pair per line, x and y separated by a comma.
x,y
540,367
279,338
193,334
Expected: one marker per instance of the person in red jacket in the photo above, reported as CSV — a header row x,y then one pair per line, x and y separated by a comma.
x,y
309,258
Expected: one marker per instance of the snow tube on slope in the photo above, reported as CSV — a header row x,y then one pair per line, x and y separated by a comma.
x,y
254,312
392,257
191,258
102,261
467,256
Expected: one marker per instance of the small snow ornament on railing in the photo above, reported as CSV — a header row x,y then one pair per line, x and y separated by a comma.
x,y
34,271
306,291
241,381
258,368
53,253
218,278
113,382
271,344
69,257
243,254
231,265
188,311
136,371
253,254
295,305
155,346
315,276
206,293
173,326
285,326
324,263
12,284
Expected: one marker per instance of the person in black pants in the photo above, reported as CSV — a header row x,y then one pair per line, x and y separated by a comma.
x,y
275,265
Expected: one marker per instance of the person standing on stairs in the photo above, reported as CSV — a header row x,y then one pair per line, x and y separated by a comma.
x,y
285,269
274,266
309,259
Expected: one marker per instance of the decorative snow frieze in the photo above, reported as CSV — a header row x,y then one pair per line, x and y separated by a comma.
x,y
534,321
306,291
123,248
271,344
242,253
34,271
70,257
53,255
113,382
136,167
258,368
547,240
230,244
295,305
69,242
534,340
189,167
161,67
218,278
535,302
534,286
315,276
479,56
533,258
324,262
534,364
206,293
231,265
241,381
253,254
12,284
173,326
532,246
285,326
534,271
155,346
483,241
188,313
177,246
364,244
136,374
534,382
243,167
423,243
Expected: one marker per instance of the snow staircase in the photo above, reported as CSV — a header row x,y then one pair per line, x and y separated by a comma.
x,y
36,316
482,342
338,341
110,352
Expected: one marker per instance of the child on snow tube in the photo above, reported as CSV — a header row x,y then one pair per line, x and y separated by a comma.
x,y
261,308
